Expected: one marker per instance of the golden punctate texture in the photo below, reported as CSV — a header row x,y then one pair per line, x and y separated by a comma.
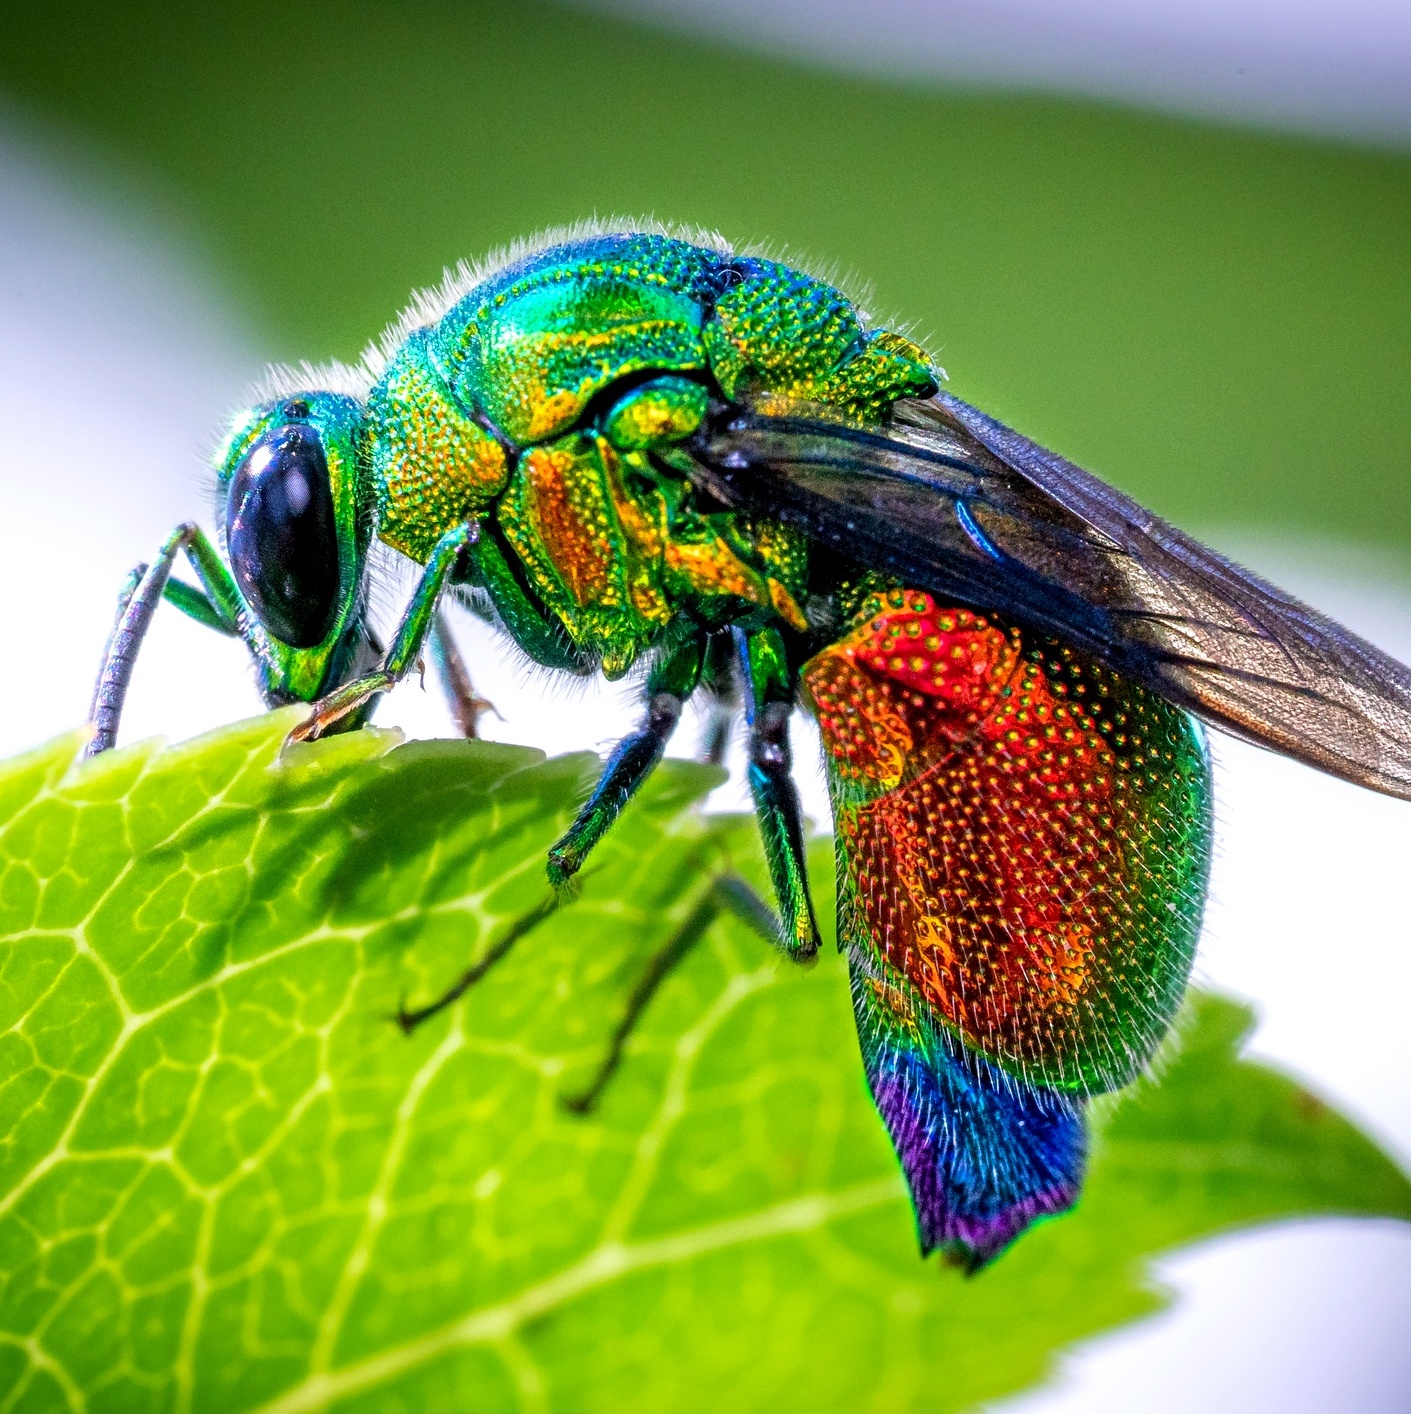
x,y
592,548
433,467
508,391
657,414
783,332
1024,834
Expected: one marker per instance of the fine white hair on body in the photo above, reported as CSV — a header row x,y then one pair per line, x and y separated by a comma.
x,y
429,305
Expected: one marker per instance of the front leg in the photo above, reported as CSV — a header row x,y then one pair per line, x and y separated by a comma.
x,y
406,647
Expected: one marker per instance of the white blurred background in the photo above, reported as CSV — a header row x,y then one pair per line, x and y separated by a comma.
x,y
119,361
1335,68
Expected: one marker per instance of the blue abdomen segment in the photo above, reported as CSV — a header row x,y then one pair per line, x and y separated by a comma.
x,y
985,1154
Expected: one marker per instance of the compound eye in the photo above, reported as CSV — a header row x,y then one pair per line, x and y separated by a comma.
x,y
283,536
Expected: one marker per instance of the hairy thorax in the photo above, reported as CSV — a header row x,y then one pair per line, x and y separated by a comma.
x,y
544,405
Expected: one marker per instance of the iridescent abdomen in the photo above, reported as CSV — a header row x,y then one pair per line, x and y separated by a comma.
x,y
1026,836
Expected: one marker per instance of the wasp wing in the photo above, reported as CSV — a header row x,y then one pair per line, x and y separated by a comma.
x,y
953,501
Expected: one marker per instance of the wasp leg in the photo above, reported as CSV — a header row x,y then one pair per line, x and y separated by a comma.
x,y
672,680
216,605
197,604
629,765
496,952
719,682
359,695
466,708
768,707
728,894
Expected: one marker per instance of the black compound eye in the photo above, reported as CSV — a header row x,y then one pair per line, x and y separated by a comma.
x,y
283,537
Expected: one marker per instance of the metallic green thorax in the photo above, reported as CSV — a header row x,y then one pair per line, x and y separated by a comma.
x,y
538,408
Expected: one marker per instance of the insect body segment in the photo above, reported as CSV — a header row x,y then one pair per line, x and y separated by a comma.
x,y
984,1156
1025,836
1023,842
533,345
487,414
656,414
778,331
634,451
433,465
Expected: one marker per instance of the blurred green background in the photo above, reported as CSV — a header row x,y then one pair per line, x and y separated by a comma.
x,y
1218,321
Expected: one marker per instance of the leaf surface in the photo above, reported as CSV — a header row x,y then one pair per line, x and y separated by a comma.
x,y
231,1183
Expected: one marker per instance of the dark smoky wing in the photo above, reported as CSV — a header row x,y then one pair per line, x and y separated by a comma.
x,y
955,502
924,507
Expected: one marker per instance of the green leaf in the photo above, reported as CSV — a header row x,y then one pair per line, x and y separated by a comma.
x,y
232,1183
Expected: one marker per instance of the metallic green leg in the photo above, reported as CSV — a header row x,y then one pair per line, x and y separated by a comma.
x,y
671,682
768,707
217,607
406,646
197,604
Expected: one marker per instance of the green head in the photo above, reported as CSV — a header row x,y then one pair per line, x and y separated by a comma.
x,y
296,523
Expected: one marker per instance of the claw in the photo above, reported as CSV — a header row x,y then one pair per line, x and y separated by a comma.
x,y
337,705
469,713
307,730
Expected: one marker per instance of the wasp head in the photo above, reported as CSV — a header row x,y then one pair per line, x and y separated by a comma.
x,y
296,524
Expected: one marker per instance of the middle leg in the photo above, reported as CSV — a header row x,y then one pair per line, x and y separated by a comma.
x,y
671,682
465,705
769,704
